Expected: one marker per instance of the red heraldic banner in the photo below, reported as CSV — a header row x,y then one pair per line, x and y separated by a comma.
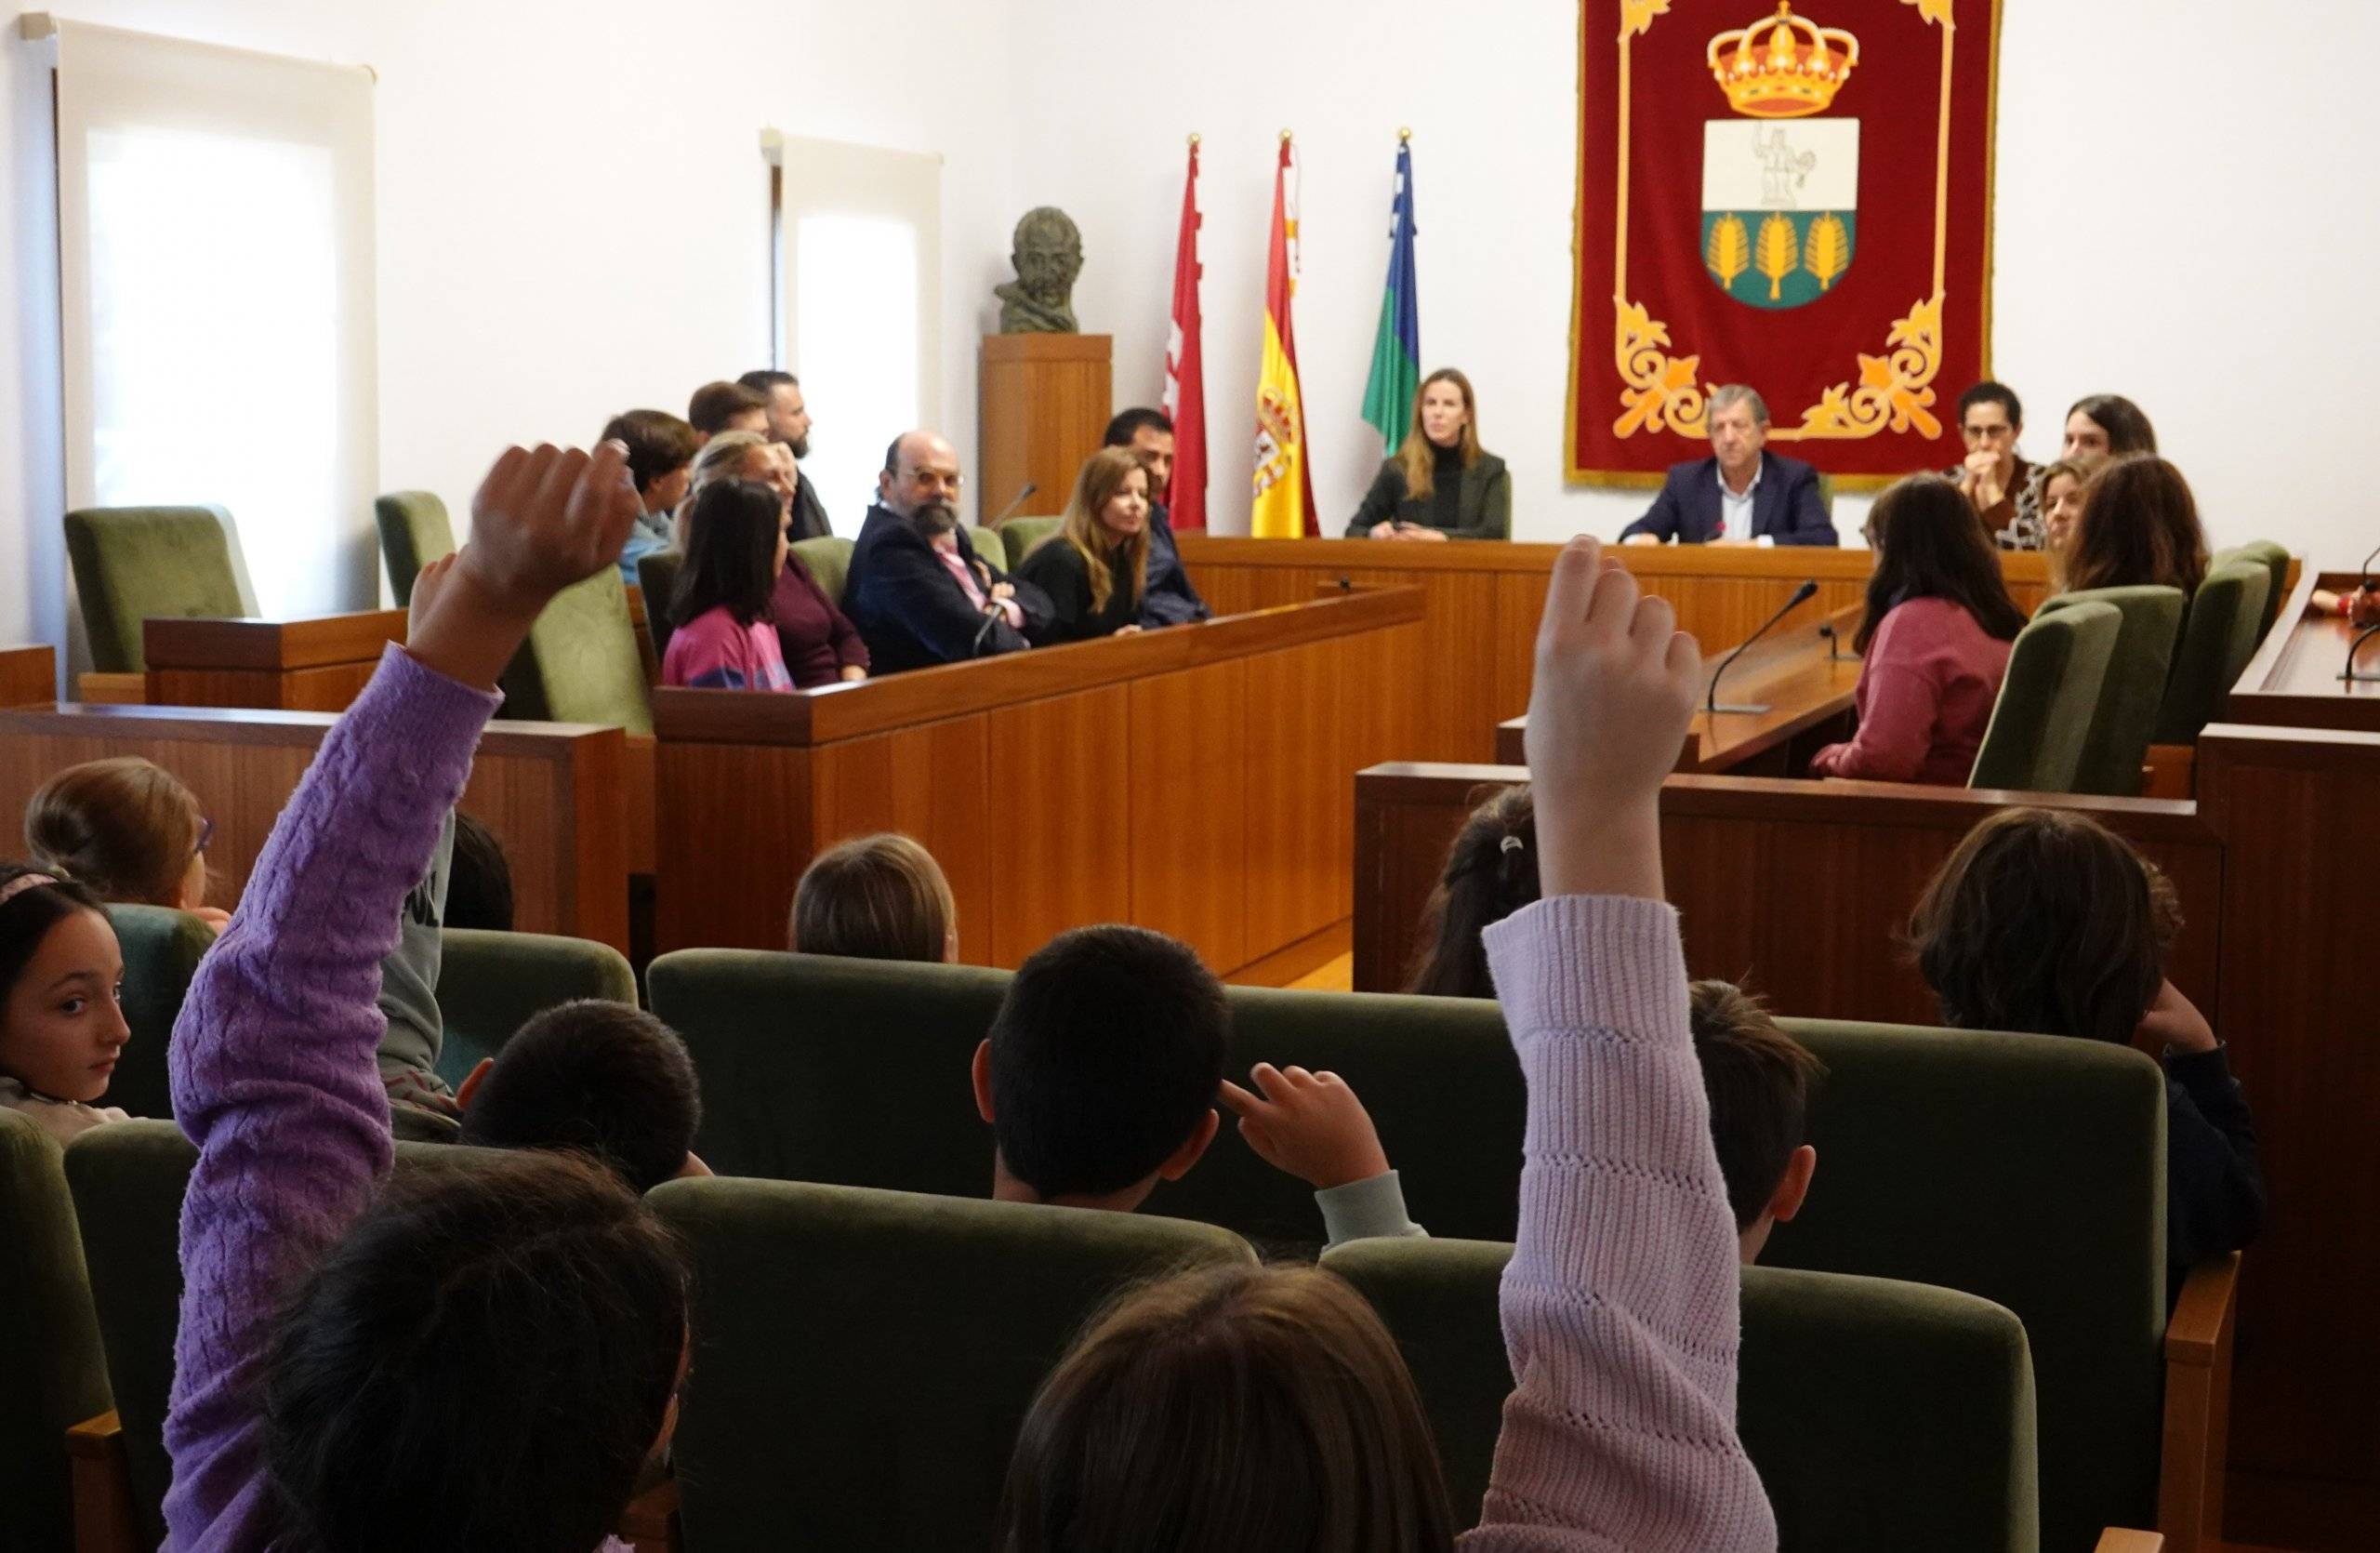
x,y
1796,199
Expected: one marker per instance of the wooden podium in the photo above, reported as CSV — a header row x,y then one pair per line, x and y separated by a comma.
x,y
1045,405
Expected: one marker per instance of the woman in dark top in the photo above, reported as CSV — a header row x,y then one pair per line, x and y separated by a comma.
x,y
1440,485
820,646
1095,569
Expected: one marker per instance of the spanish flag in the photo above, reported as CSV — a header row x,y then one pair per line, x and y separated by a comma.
x,y
1284,487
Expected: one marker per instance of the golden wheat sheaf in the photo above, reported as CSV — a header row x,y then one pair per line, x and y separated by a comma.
x,y
1828,253
1777,254
1729,254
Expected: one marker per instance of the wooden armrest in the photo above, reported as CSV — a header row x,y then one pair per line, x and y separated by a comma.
x,y
649,1523
2198,1407
2115,1539
2200,1328
102,1487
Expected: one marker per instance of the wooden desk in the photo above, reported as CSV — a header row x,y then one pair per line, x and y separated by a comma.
x,y
2294,679
27,675
318,665
551,791
1197,780
1472,662
1805,683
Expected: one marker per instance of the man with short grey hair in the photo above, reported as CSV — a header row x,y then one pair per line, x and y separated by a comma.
x,y
1742,494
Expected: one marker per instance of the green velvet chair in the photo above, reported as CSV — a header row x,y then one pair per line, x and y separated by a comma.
x,y
50,1341
413,532
134,563
490,983
862,1359
829,560
2274,558
2123,720
2217,639
1881,1414
657,577
161,951
991,548
581,663
2042,721
1024,536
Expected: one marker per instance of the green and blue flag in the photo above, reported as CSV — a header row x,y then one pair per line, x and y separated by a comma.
x,y
1396,351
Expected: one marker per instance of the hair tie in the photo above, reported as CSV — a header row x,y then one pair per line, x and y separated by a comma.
x,y
1510,844
22,882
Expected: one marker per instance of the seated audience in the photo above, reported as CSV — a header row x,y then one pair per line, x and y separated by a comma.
x,y
1095,568
2062,483
479,880
1995,479
916,591
716,407
367,1363
1242,1407
127,831
61,1028
1758,1082
875,897
660,449
1170,600
600,1079
789,428
1439,484
2138,527
734,456
723,612
2107,426
816,640
2045,920
1742,494
1490,874
1934,641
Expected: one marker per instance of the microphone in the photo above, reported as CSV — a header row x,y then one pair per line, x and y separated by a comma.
x,y
983,631
1014,503
1802,595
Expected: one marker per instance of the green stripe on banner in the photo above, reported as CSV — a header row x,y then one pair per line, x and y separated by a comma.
x,y
1395,381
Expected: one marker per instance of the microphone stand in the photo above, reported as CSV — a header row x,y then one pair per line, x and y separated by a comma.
x,y
1834,638
2369,587
1802,595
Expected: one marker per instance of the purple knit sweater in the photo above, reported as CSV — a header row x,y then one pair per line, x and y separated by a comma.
x,y
275,1076
1619,1303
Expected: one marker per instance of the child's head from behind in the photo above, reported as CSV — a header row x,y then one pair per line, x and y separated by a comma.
x,y
2047,922
875,897
603,1078
125,828
61,1025
491,1350
478,879
1258,1409
1490,874
1101,1069
1758,1081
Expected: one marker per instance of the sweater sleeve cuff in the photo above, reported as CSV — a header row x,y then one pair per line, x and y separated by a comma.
x,y
1610,962
1367,1210
427,698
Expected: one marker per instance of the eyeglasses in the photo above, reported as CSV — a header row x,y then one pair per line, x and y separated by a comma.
x,y
205,834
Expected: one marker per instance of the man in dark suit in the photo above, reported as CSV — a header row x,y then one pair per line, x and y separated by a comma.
x,y
1742,495
917,592
1168,599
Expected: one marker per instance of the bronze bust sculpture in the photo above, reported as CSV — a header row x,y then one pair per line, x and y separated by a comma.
x,y
1048,256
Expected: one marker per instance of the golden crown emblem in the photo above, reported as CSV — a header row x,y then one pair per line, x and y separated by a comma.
x,y
1783,66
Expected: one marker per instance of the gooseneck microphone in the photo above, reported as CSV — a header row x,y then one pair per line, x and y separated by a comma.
x,y
1014,502
1802,595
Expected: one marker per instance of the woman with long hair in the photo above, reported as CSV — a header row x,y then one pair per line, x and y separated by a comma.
x,y
1935,637
723,610
1096,568
819,644
1440,484
2138,527
1490,874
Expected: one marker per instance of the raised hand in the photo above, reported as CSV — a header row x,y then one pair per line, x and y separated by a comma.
x,y
1309,1125
1614,688
427,586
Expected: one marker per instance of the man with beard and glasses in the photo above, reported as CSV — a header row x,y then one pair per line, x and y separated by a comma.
x,y
917,592
789,428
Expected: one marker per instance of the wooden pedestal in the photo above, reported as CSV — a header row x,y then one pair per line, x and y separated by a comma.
x,y
1046,402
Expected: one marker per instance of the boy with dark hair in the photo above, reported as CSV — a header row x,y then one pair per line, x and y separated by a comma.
x,y
601,1079
479,885
1758,1081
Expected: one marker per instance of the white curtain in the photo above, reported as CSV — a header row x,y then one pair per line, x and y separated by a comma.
x,y
861,305
216,302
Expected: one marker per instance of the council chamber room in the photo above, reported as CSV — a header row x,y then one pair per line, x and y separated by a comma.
x,y
1055,777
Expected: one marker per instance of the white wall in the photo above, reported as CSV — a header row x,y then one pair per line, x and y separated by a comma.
x,y
573,214
2203,242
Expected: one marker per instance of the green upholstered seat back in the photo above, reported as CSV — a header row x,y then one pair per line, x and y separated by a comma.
x,y
1881,1414
161,951
127,1180
2048,699
1024,536
2217,639
583,658
413,532
133,562
862,1359
2123,720
490,983
829,560
657,577
990,548
50,1341
2274,558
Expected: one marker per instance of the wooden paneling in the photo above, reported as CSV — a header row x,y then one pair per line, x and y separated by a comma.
x,y
1063,771
552,793
28,676
734,829
932,783
317,665
1189,775
1046,403
2294,679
